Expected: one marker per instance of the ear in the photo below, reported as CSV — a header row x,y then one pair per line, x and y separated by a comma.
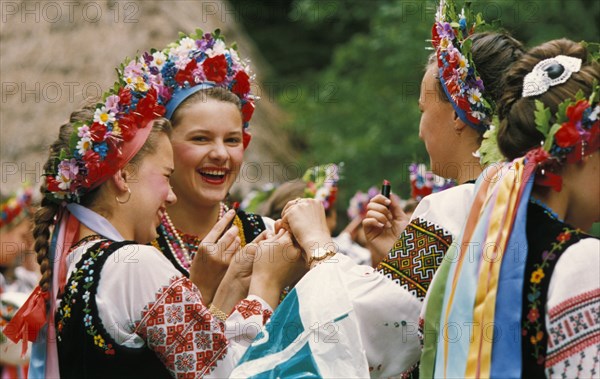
x,y
120,179
458,124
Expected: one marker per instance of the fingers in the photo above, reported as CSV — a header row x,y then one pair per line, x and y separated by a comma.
x,y
220,226
380,199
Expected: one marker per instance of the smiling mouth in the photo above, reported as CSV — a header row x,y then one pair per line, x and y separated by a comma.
x,y
213,176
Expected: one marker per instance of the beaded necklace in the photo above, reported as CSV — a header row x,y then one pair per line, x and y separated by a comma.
x,y
547,210
183,252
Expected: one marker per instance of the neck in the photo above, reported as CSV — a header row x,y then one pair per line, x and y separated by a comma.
x,y
556,201
197,220
470,170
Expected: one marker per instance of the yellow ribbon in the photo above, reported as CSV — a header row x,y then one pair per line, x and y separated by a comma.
x,y
480,351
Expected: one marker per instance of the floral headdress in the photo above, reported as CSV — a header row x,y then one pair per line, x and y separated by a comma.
x,y
574,134
148,87
358,203
423,182
457,72
16,206
322,183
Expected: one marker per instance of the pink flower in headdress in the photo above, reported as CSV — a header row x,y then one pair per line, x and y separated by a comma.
x,y
67,172
444,30
112,103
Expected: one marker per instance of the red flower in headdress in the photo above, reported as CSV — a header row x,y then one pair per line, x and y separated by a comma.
x,y
52,184
148,109
575,111
187,74
128,125
242,83
567,135
124,96
97,132
247,111
215,68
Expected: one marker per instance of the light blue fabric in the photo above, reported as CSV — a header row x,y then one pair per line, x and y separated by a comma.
x,y
95,222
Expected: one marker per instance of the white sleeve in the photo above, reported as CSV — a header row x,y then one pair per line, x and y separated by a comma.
x,y
448,209
573,312
143,300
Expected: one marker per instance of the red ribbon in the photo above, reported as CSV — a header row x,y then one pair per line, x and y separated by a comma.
x,y
246,137
29,319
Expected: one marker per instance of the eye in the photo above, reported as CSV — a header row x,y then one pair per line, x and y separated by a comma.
x,y
199,139
233,140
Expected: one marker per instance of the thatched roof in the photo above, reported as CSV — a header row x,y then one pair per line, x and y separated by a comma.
x,y
55,55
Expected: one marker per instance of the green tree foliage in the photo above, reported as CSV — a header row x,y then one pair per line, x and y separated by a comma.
x,y
356,68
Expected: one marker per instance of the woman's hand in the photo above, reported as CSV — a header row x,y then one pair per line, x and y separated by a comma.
x,y
277,263
305,219
383,224
214,255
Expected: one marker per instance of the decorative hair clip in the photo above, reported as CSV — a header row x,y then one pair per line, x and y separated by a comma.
x,y
457,72
574,134
423,182
15,206
321,183
148,87
549,73
358,203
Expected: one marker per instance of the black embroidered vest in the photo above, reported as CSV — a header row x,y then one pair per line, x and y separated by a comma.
x,y
547,239
85,348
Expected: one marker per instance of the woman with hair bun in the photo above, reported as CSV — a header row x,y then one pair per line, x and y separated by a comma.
x,y
518,295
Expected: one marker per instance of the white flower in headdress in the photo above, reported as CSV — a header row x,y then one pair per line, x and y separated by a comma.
x,y
478,115
180,56
474,95
217,49
159,59
84,145
595,112
322,194
187,43
103,116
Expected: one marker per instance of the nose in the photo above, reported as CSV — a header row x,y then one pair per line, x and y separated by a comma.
x,y
171,197
219,152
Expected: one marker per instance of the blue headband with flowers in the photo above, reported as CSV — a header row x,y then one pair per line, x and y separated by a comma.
x,y
148,87
457,72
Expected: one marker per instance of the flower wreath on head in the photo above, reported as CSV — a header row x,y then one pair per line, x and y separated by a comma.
x,y
322,183
148,87
358,203
574,134
16,206
457,72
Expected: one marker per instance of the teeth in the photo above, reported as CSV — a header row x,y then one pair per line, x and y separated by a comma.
x,y
214,172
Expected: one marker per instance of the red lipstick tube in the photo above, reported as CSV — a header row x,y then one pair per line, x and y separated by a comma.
x,y
386,188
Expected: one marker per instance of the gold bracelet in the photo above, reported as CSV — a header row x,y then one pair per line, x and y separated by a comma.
x,y
217,313
320,258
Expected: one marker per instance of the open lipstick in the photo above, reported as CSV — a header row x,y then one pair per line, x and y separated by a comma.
x,y
386,188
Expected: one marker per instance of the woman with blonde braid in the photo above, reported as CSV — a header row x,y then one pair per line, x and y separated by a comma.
x,y
117,306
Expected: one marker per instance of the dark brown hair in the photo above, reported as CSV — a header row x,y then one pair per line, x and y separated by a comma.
x,y
45,216
517,132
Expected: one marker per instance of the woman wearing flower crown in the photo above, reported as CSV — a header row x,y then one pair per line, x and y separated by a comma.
x,y
462,82
117,307
522,282
210,109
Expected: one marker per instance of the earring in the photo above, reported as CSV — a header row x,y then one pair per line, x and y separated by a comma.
x,y
128,197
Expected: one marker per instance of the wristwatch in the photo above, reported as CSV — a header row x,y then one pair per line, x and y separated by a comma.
x,y
320,254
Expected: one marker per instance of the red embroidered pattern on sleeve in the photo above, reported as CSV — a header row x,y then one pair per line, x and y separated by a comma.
x,y
574,326
179,328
